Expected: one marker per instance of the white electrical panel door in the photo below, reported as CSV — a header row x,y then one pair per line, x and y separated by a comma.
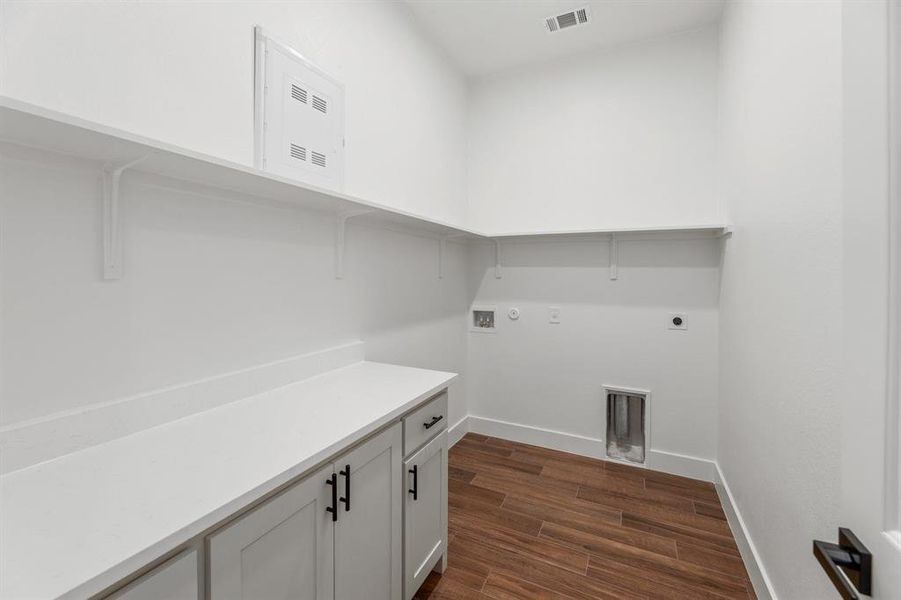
x,y
299,117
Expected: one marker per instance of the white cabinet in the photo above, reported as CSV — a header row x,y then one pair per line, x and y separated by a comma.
x,y
282,549
368,532
176,579
425,513
365,525
334,535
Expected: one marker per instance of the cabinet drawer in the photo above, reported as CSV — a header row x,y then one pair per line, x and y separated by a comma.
x,y
425,423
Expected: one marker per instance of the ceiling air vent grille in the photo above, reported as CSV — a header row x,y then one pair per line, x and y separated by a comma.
x,y
298,93
565,20
318,159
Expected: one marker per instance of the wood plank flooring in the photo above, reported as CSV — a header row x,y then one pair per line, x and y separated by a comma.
x,y
527,522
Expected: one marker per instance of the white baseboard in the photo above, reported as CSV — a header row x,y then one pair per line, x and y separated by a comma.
x,y
763,587
38,440
659,460
537,436
456,431
682,464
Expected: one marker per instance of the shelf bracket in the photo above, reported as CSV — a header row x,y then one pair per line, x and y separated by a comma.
x,y
614,257
340,238
442,253
497,259
112,220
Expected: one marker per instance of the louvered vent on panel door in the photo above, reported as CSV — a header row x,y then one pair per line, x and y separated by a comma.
x,y
318,159
298,93
298,152
320,104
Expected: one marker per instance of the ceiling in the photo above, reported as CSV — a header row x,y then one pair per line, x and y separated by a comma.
x,y
486,36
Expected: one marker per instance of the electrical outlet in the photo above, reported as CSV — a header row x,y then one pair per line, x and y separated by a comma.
x,y
553,314
677,321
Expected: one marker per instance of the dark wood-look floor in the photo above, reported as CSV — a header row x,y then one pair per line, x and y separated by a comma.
x,y
527,522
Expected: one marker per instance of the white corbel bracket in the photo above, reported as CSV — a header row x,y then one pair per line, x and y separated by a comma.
x,y
497,259
340,238
112,220
614,257
442,251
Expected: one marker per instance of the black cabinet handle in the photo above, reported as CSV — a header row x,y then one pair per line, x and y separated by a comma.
x,y
333,481
431,423
345,472
414,491
847,561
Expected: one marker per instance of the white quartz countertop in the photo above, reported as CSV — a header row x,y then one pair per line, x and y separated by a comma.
x,y
72,526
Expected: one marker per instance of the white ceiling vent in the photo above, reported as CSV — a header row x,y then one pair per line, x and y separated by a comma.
x,y
580,16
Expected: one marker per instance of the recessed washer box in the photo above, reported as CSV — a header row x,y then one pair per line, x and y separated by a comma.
x,y
298,116
483,319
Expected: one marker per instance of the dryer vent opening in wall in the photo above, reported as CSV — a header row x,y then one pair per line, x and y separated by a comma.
x,y
627,425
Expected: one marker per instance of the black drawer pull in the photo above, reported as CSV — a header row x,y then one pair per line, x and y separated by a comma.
x,y
345,472
415,490
848,564
333,481
431,423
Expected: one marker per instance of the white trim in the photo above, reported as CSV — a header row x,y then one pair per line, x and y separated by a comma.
x,y
37,440
456,431
537,436
763,587
684,465
259,90
658,460
892,500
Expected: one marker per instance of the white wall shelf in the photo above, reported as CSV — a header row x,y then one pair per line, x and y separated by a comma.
x,y
114,150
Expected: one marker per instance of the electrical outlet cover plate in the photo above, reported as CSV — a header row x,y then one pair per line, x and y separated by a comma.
x,y
553,315
677,321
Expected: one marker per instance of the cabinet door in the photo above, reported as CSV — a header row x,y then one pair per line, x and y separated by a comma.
x,y
176,579
368,532
282,550
425,513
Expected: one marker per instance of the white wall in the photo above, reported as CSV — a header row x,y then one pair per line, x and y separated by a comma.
x,y
210,286
621,138
780,311
182,72
550,376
